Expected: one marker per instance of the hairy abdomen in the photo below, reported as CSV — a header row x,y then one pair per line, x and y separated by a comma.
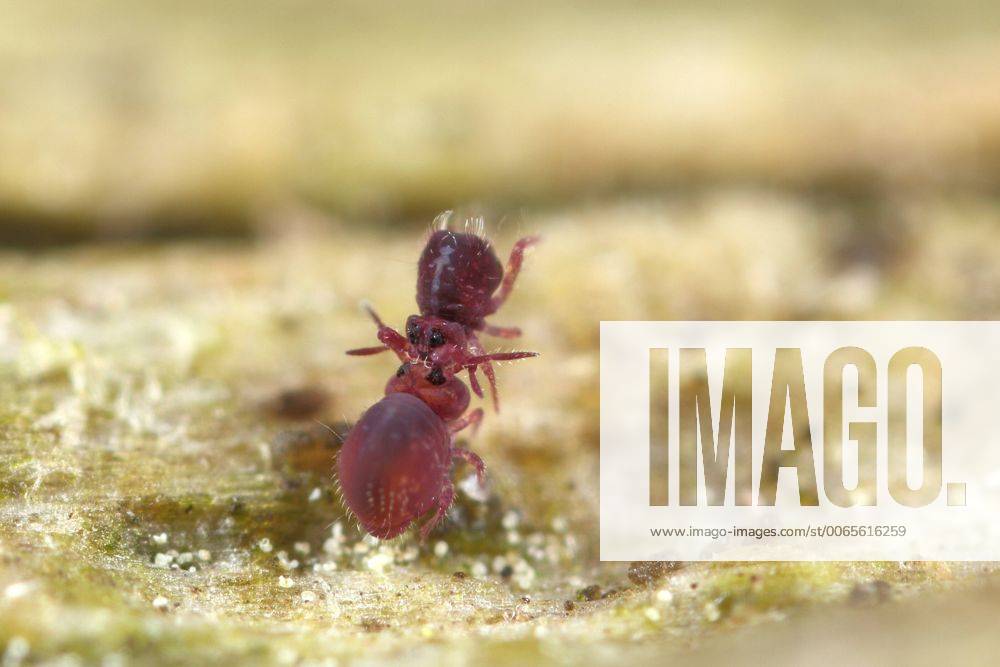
x,y
393,464
457,276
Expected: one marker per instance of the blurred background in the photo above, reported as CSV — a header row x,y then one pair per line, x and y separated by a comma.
x,y
194,197
123,119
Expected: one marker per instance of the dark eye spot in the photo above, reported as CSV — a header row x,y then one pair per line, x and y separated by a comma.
x,y
412,333
436,338
401,371
436,376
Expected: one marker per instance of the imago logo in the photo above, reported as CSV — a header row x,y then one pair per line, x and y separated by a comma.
x,y
729,445
799,440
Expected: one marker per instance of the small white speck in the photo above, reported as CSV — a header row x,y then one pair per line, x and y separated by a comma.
x,y
114,660
162,560
332,546
308,597
161,602
315,495
18,590
653,614
265,452
285,563
287,656
559,524
469,486
17,650
265,545
379,561
664,596
479,570
284,582
712,611
302,548
440,548
510,520
192,569
160,539
524,575
204,555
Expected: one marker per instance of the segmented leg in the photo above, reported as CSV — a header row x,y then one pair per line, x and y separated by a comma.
x,y
492,377
474,382
478,358
365,351
498,356
477,347
444,502
472,459
473,419
501,332
389,337
513,268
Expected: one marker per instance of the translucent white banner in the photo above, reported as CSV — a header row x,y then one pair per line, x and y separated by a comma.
x,y
800,441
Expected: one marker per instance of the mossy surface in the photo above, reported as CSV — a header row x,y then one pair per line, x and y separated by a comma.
x,y
156,506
